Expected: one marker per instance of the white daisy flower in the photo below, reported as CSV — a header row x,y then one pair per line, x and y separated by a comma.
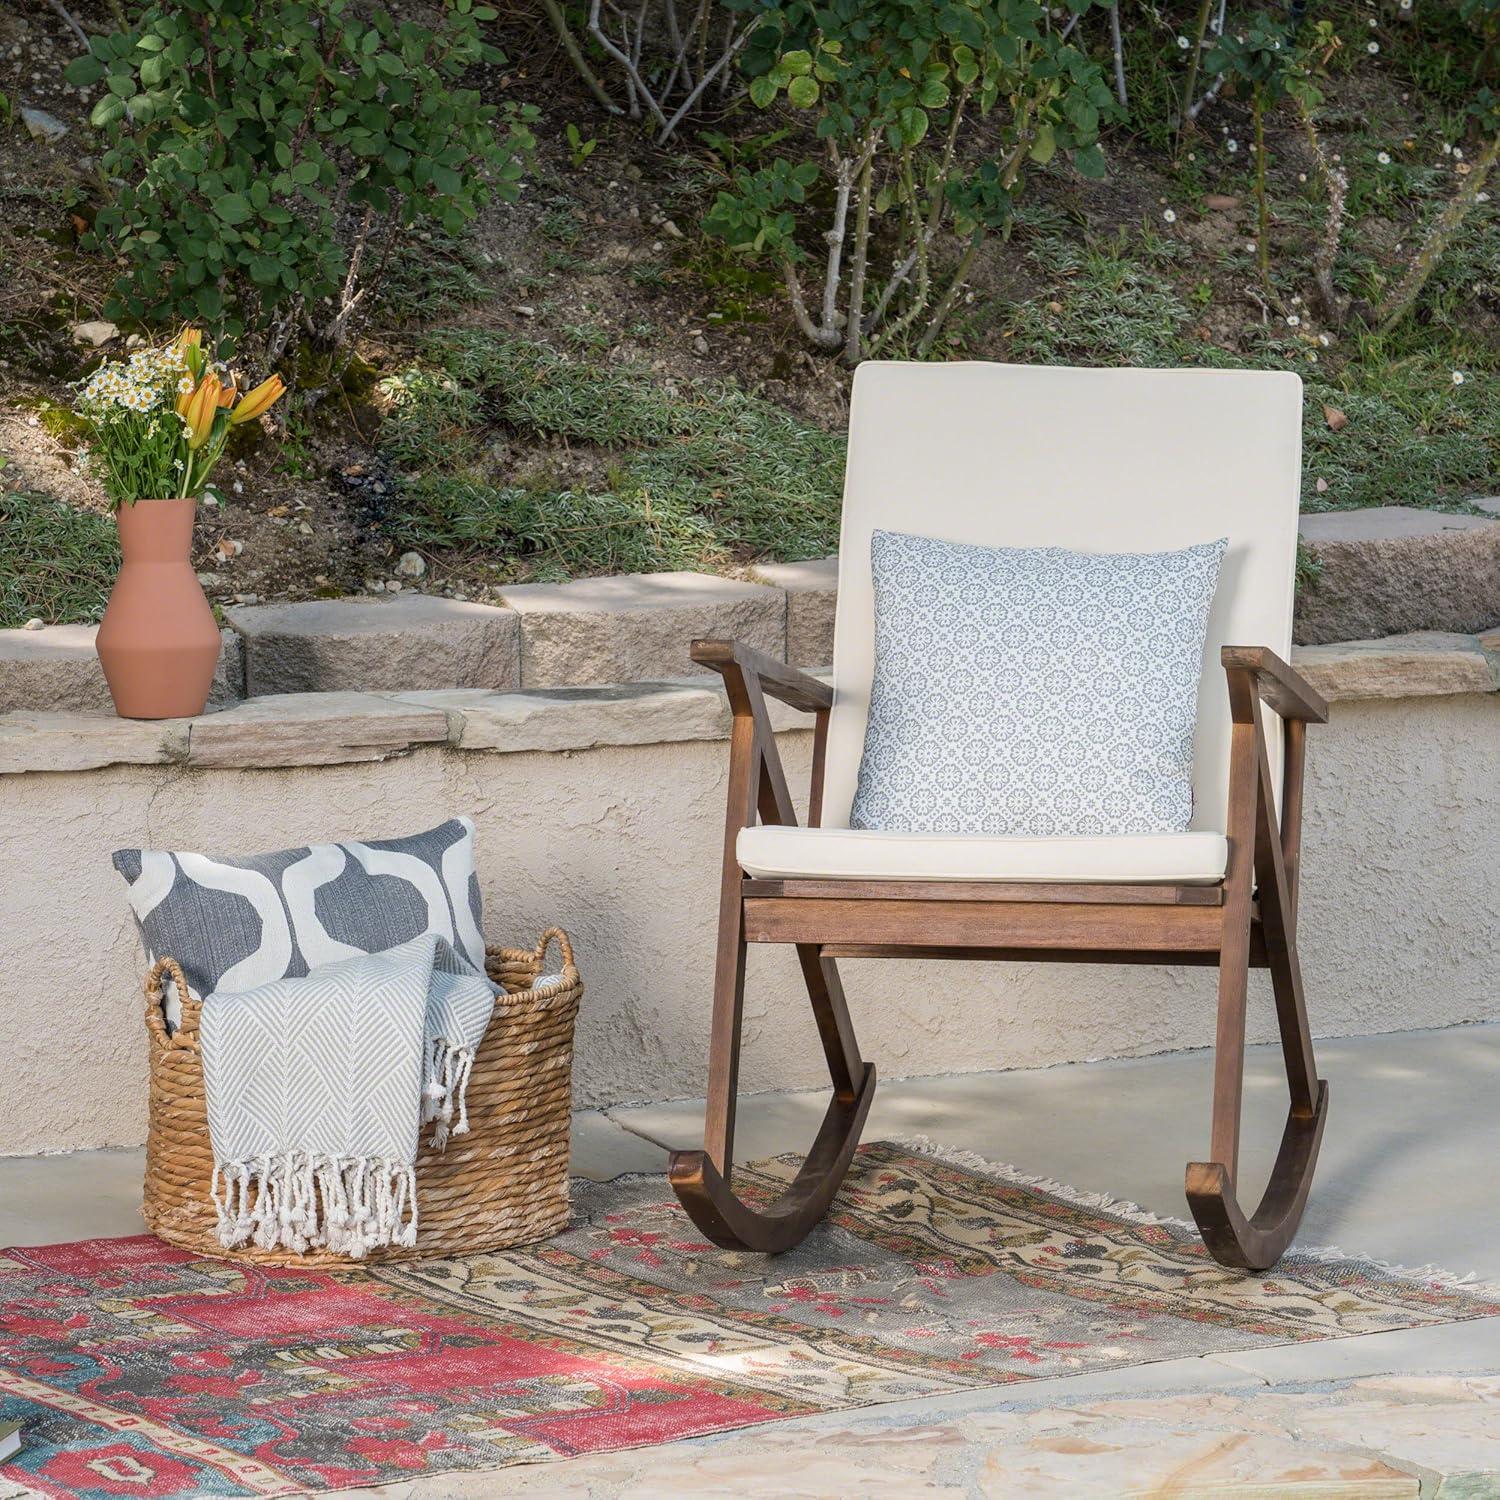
x,y
1293,321
1170,215
1459,377
1372,48
1457,154
1250,246
1383,157
1231,146
1324,340
1183,42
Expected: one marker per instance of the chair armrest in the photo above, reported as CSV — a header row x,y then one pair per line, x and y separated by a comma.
x,y
1277,684
735,662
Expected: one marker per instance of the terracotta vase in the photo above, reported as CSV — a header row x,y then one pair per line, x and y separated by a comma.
x,y
158,641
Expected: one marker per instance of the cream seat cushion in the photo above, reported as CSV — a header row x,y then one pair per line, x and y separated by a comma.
x,y
856,854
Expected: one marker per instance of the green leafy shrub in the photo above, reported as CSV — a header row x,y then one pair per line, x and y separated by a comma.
x,y
273,154
1261,57
899,87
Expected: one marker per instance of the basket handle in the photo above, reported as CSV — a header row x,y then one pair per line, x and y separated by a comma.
x,y
564,946
186,1034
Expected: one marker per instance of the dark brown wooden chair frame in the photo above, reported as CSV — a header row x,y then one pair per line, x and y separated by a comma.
x,y
1248,920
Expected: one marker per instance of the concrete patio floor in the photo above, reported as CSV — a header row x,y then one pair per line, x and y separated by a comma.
x,y
1407,1174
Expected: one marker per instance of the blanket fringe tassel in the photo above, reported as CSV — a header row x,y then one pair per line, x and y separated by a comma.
x,y
445,1089
301,1200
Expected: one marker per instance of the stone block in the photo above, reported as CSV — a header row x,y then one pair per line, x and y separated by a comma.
x,y
582,718
411,641
57,669
312,729
73,741
637,627
812,591
1393,569
1424,664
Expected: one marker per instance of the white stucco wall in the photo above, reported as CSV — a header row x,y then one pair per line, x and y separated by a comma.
x,y
1400,925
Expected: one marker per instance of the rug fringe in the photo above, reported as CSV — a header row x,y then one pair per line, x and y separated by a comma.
x,y
1428,1275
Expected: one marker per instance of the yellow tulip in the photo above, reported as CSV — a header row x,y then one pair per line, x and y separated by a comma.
x,y
203,407
189,338
228,393
261,399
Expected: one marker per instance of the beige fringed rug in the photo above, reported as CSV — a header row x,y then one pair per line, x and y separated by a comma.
x,y
174,1374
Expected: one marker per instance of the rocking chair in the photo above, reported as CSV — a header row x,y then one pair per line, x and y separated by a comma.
x,y
1096,460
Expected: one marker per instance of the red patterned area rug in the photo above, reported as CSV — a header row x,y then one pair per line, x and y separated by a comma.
x,y
137,1369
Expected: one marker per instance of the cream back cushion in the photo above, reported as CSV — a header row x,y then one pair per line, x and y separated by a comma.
x,y
1093,460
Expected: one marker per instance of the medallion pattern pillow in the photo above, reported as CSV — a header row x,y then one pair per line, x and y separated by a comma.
x,y
236,922
1033,691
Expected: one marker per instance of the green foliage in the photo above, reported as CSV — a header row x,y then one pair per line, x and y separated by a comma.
x,y
894,84
1414,435
1261,54
692,477
271,153
1113,311
58,563
579,149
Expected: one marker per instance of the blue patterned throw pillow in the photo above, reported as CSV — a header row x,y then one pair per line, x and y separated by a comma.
x,y
1033,691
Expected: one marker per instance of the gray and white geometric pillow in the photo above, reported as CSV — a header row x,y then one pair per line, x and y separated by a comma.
x,y
236,922
1033,691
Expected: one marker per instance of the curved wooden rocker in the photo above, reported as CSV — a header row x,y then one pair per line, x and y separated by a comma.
x,y
1264,858
701,1179
1250,921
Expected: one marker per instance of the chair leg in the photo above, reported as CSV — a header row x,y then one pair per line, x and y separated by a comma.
x,y
1256,1242
701,1179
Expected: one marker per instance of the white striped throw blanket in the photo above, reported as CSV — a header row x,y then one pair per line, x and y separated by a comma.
x,y
318,1087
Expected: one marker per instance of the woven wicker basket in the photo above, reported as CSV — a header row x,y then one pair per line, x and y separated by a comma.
x,y
504,1183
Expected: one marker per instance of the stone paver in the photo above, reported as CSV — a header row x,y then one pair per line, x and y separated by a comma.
x,y
1393,569
1392,1437
86,741
312,729
812,590
366,645
637,628
1424,664
57,669
636,713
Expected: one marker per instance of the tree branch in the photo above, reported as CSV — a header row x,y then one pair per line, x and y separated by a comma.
x,y
1438,238
855,324
823,338
66,16
576,57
